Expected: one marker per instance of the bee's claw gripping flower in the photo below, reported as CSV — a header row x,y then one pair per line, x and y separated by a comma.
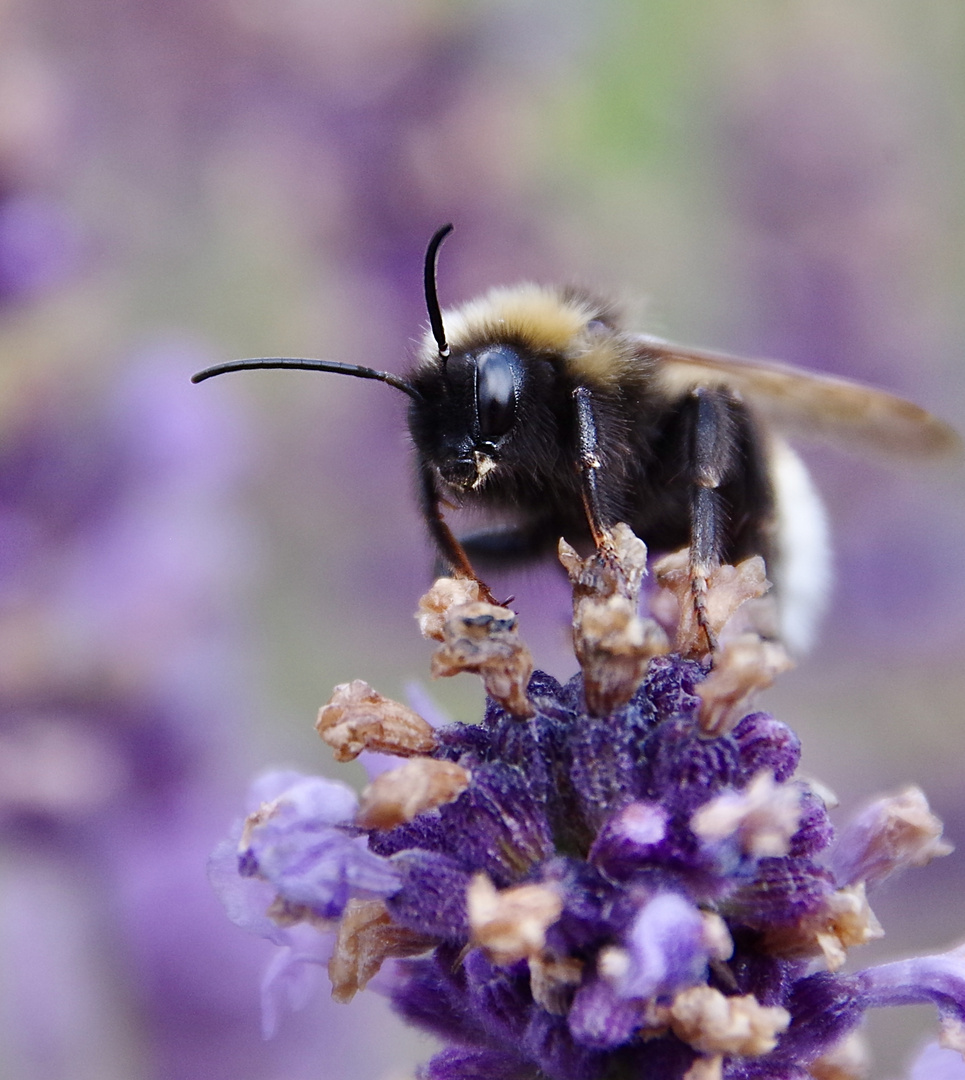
x,y
614,878
728,588
446,593
483,638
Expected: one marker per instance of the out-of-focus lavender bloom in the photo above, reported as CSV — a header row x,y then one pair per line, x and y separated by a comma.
x,y
616,896
39,246
120,700
826,149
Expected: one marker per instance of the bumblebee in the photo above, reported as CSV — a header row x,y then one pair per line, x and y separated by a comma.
x,y
536,407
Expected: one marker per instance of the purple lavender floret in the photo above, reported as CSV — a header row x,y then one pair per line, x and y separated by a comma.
x,y
303,844
678,883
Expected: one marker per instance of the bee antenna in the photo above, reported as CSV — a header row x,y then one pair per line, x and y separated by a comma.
x,y
432,296
302,364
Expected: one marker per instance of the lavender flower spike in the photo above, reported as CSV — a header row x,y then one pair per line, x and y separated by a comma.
x,y
611,889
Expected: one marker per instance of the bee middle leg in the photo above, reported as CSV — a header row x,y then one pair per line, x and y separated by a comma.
x,y
590,462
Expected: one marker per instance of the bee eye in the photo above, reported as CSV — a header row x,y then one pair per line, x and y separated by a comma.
x,y
496,391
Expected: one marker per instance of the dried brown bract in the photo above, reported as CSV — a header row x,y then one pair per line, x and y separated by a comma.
x,y
367,937
401,794
714,1024
889,835
743,666
553,981
482,638
511,925
763,816
844,920
849,1060
359,718
613,645
728,588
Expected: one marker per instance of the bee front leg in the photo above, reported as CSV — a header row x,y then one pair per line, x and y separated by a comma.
x,y
451,551
712,450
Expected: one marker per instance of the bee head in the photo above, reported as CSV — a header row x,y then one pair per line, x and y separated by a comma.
x,y
468,411
494,376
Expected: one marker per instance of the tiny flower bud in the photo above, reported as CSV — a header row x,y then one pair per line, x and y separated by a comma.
x,y
717,939
482,638
511,925
629,838
613,963
714,1024
359,718
706,1068
401,794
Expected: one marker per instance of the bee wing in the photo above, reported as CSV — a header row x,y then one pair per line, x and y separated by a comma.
x,y
802,403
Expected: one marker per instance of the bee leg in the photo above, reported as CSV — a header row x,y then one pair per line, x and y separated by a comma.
x,y
712,450
590,465
452,552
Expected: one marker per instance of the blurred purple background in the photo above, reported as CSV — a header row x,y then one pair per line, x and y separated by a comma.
x,y
186,571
